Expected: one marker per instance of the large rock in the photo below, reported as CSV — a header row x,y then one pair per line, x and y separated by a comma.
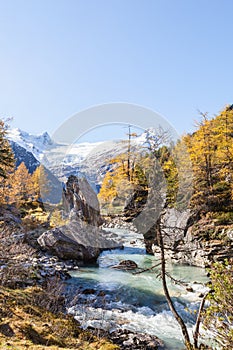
x,y
81,239
80,200
126,265
77,241
128,339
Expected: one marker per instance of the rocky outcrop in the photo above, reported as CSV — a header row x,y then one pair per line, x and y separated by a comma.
x,y
81,201
77,241
126,265
130,340
184,241
81,239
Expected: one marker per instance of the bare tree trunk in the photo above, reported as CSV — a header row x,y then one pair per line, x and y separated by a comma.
x,y
196,332
167,295
129,151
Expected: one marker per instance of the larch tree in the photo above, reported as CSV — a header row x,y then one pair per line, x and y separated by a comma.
x,y
21,187
40,183
120,182
201,149
223,134
211,154
174,171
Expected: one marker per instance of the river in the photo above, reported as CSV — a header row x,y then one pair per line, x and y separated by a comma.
x,y
108,298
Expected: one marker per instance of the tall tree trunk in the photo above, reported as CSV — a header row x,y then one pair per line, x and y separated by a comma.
x,y
198,322
129,151
167,294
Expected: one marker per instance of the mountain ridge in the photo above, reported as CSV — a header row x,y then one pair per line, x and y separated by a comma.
x,y
89,159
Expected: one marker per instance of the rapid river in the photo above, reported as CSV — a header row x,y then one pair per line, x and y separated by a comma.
x,y
108,298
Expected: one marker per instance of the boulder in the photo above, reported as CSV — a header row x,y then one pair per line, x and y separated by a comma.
x,y
81,239
126,265
77,241
81,202
174,224
128,339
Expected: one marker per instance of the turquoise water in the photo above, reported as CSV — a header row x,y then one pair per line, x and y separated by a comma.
x,y
123,299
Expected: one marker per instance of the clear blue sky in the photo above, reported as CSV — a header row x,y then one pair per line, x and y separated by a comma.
x,y
61,56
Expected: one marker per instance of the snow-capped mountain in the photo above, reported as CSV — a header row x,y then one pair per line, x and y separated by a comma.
x,y
90,159
49,153
22,155
23,137
34,144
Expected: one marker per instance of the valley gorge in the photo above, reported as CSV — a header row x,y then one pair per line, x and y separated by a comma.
x,y
95,229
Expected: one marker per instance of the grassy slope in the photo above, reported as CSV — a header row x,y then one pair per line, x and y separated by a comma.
x,y
23,325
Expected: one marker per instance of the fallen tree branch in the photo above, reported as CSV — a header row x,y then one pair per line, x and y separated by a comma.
x,y
148,269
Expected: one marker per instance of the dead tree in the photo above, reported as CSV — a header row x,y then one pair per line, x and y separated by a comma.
x,y
163,273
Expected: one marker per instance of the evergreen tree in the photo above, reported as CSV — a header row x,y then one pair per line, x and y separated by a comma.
x,y
6,154
6,163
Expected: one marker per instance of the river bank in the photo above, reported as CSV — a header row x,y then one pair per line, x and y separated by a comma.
x,y
110,300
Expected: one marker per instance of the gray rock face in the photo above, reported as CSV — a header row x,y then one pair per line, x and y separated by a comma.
x,y
175,224
77,241
81,239
182,245
81,201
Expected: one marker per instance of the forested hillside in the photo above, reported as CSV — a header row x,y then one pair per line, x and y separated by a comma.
x,y
205,158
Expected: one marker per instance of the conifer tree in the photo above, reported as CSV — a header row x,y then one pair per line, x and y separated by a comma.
x,y
211,153
6,163
6,154
118,185
39,181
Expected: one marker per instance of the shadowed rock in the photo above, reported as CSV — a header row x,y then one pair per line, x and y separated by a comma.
x,y
77,241
126,265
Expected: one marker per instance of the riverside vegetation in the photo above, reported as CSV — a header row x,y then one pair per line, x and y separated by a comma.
x,y
31,308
